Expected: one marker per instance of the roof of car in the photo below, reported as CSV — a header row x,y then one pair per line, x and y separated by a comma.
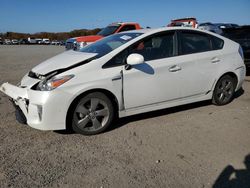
x,y
155,30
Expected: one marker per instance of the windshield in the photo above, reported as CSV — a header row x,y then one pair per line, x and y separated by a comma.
x,y
108,44
108,30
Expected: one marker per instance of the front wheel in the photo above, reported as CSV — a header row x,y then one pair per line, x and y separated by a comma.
x,y
93,114
224,90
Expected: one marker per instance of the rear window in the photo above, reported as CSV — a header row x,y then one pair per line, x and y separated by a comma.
x,y
217,43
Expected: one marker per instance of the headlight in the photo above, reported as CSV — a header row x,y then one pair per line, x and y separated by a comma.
x,y
54,82
80,45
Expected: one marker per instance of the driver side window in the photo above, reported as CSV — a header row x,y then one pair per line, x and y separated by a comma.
x,y
154,47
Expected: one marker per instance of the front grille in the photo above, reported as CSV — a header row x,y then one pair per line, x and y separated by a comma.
x,y
70,46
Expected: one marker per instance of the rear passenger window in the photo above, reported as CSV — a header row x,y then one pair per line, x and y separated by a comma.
x,y
217,43
192,42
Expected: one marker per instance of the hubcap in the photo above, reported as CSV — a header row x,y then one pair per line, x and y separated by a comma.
x,y
225,90
91,115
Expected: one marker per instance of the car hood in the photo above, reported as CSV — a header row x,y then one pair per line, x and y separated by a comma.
x,y
90,38
64,60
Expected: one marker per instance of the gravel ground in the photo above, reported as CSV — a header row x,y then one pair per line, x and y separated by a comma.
x,y
187,146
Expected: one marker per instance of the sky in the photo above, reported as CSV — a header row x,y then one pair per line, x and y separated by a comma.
x,y
31,16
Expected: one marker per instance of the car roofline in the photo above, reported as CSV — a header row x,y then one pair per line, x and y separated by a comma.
x,y
155,30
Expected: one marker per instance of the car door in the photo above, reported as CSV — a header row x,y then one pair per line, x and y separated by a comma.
x,y
158,79
198,62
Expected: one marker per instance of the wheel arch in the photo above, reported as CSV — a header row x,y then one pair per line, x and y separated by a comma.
x,y
106,92
215,99
230,73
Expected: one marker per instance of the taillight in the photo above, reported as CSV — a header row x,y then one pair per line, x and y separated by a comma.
x,y
241,52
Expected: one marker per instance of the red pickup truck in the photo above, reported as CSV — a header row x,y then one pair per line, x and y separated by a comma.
x,y
79,42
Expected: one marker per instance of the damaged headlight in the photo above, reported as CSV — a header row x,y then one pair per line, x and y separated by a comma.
x,y
54,82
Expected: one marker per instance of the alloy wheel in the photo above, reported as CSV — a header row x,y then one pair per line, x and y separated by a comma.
x,y
91,115
224,90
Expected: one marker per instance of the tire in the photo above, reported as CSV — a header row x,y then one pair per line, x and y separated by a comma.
x,y
92,114
224,90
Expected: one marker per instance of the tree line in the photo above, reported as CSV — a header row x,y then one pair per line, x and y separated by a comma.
x,y
50,35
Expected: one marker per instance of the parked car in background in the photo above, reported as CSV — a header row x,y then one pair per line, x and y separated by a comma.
x,y
45,41
71,44
7,41
184,22
62,43
240,35
14,41
129,73
31,40
1,41
79,42
39,41
227,25
23,41
210,27
55,42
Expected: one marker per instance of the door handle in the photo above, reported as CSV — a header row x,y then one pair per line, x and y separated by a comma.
x,y
215,60
174,68
118,77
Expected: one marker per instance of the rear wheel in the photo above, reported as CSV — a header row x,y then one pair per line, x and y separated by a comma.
x,y
92,114
224,90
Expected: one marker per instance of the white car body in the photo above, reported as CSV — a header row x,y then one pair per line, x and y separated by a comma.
x,y
14,41
7,41
55,42
154,85
31,40
39,41
45,41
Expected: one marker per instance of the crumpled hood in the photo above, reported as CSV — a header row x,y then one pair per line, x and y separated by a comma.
x,y
89,38
62,61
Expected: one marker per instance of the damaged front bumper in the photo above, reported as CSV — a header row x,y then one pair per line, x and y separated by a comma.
x,y
43,110
18,96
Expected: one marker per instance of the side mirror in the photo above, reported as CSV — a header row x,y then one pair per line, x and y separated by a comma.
x,y
135,59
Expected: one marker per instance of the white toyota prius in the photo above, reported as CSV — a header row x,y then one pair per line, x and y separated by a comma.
x,y
128,73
